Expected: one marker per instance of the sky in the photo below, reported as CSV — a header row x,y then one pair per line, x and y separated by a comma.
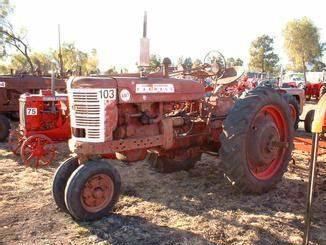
x,y
175,28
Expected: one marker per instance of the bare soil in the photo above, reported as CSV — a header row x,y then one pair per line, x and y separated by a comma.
x,y
195,207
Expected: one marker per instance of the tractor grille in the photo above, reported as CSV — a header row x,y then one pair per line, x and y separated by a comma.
x,y
87,113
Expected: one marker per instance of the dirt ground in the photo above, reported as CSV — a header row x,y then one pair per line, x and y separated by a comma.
x,y
195,207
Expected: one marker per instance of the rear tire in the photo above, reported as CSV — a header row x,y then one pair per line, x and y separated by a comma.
x,y
60,180
257,141
308,120
4,127
92,190
295,109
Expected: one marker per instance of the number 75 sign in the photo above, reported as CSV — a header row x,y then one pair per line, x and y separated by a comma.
x,y
31,111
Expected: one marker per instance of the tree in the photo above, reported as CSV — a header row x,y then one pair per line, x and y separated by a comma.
x,y
301,42
262,56
197,63
75,60
111,71
187,63
154,62
234,62
10,37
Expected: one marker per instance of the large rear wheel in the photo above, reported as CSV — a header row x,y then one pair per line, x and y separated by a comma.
x,y
4,127
257,141
92,190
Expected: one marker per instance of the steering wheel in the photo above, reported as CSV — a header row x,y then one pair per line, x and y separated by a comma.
x,y
215,63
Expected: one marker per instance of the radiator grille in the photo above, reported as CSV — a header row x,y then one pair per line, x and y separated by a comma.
x,y
87,112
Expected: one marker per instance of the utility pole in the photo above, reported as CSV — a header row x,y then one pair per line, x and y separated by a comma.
x,y
59,53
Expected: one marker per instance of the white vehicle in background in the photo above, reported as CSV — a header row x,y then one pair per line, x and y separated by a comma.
x,y
293,80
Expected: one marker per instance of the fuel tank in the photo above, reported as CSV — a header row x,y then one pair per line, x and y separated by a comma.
x,y
140,90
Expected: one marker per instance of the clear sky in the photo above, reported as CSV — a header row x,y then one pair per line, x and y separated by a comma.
x,y
175,28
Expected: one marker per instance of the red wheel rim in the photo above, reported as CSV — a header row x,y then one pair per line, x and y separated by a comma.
x,y
37,150
293,112
97,193
266,144
15,141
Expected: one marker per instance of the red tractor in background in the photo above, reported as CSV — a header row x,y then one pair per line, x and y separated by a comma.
x,y
315,90
44,120
11,87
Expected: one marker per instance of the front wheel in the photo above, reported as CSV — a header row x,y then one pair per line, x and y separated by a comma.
x,y
294,109
92,190
38,151
60,180
257,141
308,120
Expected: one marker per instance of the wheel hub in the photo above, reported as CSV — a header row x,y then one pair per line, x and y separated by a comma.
x,y
265,142
97,193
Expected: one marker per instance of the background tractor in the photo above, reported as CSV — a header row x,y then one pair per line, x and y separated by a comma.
x,y
11,87
44,120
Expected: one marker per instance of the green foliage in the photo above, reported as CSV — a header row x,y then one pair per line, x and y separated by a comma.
x,y
262,56
111,71
154,62
197,63
75,60
234,62
301,42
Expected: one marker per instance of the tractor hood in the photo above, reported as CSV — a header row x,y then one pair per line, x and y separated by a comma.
x,y
140,90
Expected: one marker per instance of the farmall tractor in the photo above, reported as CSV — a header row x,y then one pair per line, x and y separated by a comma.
x,y
44,121
172,121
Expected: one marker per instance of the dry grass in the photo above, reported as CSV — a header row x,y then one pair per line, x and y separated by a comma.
x,y
187,208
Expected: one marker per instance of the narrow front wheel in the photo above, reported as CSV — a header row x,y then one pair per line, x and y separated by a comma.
x,y
92,190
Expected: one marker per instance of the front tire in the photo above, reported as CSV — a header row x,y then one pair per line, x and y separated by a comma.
x,y
308,121
294,109
60,180
92,190
257,141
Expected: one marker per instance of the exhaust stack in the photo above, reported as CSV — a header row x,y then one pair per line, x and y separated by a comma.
x,y
144,45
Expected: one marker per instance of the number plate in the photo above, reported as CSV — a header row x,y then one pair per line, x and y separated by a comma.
x,y
31,111
108,94
2,84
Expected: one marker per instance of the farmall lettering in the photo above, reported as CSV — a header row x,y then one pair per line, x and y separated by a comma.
x,y
154,88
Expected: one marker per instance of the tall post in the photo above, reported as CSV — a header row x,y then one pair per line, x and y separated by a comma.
x,y
59,53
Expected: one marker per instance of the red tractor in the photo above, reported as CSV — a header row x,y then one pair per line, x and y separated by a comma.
x,y
315,90
172,122
44,120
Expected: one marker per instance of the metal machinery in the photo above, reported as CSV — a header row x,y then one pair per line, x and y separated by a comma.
x,y
11,87
44,120
318,127
172,118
